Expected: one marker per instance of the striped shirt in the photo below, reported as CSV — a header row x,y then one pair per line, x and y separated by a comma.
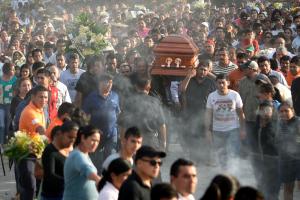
x,y
217,69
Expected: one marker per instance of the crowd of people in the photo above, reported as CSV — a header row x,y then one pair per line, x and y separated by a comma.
x,y
109,121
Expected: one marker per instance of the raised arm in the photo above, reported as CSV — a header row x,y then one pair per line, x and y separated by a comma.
x,y
184,84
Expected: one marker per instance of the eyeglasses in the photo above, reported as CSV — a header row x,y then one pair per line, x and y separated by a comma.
x,y
153,162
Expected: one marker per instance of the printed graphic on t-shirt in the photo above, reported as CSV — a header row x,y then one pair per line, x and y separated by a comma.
x,y
71,83
224,110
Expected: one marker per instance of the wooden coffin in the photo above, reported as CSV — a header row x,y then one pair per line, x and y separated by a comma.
x,y
175,55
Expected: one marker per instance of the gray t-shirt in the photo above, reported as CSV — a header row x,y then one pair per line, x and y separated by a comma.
x,y
70,80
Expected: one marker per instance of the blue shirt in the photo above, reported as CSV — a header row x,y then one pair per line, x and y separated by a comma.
x,y
78,167
103,111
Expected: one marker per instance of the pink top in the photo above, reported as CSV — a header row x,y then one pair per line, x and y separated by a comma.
x,y
143,33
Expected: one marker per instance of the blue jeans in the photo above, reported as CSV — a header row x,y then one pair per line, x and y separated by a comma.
x,y
226,145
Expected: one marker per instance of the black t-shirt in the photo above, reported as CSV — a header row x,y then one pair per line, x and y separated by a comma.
x,y
134,189
295,89
264,141
53,164
14,103
86,84
196,95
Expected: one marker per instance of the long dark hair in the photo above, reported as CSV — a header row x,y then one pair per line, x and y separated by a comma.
x,y
117,166
65,127
213,192
86,131
222,187
69,126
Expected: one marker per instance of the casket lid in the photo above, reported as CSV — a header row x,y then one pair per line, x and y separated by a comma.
x,y
177,44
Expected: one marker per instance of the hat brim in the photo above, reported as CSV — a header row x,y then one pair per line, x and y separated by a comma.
x,y
260,80
160,154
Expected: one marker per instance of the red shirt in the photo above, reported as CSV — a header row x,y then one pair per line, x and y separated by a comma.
x,y
53,102
234,77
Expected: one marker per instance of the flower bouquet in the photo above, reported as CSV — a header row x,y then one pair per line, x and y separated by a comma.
x,y
200,4
22,145
87,36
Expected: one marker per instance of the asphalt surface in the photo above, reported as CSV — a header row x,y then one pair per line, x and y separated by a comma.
x,y
242,171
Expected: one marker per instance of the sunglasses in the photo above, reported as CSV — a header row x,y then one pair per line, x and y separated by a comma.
x,y
153,162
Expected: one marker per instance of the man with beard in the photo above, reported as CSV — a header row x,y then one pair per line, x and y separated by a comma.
x,y
195,89
111,64
223,65
147,166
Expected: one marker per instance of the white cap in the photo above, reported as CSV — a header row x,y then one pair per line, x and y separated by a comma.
x,y
205,24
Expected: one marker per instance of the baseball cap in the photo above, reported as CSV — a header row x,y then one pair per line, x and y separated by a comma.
x,y
250,48
48,45
210,42
250,64
262,78
147,151
205,24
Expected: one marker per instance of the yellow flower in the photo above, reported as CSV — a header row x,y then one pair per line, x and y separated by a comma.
x,y
22,145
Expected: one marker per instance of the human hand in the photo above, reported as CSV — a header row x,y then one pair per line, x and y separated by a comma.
x,y
191,73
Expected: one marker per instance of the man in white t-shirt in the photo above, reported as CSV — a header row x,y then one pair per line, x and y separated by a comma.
x,y
225,120
70,76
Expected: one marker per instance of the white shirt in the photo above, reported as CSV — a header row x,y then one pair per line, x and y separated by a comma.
x,y
189,197
63,94
174,88
224,108
112,157
109,159
276,32
51,59
108,192
296,44
285,92
279,76
70,80
217,69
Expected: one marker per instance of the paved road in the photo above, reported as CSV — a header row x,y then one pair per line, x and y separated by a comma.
x,y
242,171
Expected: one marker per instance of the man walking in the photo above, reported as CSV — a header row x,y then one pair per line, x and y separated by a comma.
x,y
103,106
225,120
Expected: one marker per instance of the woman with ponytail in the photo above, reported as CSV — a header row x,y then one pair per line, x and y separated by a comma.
x,y
53,160
113,177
